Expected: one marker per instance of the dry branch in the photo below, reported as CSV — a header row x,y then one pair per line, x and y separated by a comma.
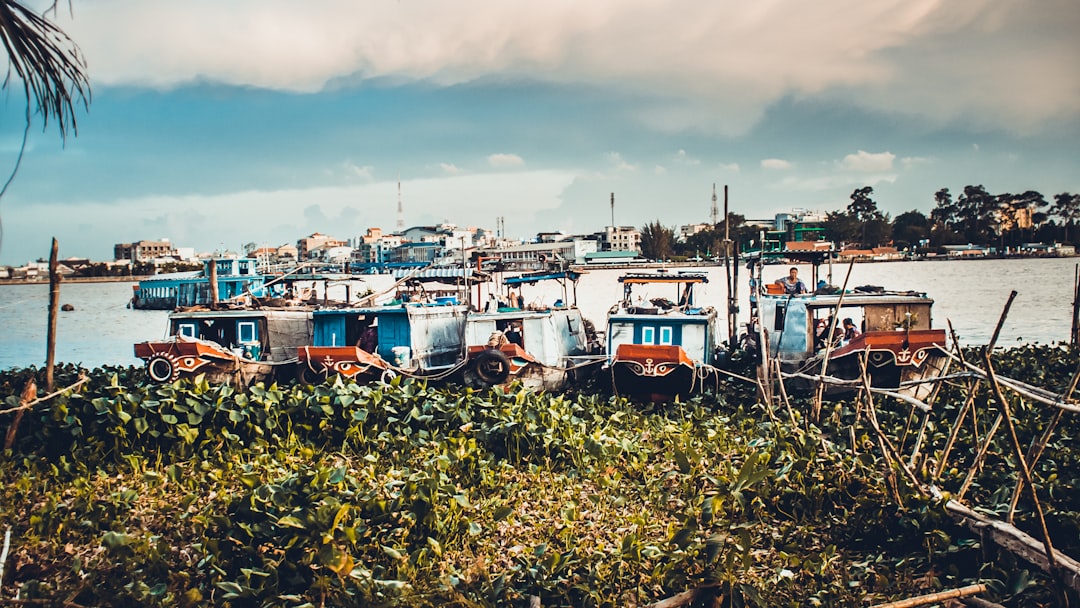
x,y
934,598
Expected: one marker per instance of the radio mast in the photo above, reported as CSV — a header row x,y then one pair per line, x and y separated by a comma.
x,y
400,208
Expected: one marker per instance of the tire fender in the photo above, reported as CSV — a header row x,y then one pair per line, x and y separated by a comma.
x,y
492,366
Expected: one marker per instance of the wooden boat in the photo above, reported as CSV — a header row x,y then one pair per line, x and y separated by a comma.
x,y
546,348
901,349
236,278
416,339
239,347
659,349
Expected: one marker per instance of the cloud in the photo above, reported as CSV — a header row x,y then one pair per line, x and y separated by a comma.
x,y
363,172
914,161
894,55
660,170
868,162
505,160
682,158
777,164
731,167
619,164
450,168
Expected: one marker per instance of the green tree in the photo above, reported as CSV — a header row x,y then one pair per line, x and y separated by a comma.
x,y
657,241
909,228
977,213
943,220
1067,209
873,225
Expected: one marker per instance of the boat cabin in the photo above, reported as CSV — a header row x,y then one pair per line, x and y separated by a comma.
x,y
797,326
670,317
428,336
260,335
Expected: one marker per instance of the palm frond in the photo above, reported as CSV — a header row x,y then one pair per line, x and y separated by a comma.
x,y
48,63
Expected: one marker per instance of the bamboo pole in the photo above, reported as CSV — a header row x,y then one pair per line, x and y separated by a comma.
x,y
1074,335
1021,461
934,598
54,307
819,395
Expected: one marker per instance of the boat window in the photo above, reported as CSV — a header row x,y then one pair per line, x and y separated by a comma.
x,y
781,313
246,329
648,335
189,330
665,335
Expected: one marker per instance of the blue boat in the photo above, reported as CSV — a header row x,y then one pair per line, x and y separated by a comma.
x,y
544,348
416,339
236,279
659,348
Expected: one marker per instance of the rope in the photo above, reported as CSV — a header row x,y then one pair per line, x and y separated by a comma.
x,y
27,406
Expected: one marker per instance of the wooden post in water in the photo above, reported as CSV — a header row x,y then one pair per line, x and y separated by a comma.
x,y
213,283
1074,335
732,322
54,306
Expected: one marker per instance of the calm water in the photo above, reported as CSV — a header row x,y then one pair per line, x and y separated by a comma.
x,y
970,294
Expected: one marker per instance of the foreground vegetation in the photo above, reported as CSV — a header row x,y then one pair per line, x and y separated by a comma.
x,y
408,495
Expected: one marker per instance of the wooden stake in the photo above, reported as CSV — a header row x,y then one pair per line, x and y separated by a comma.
x,y
213,283
819,395
1021,461
29,393
935,598
54,307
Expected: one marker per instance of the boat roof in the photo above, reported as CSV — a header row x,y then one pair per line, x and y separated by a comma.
x,y
855,299
534,277
640,278
438,273
233,313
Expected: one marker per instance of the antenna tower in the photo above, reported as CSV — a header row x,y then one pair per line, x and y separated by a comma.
x,y
715,213
400,209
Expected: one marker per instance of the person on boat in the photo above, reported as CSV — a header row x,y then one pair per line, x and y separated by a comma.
x,y
513,335
850,331
369,340
792,284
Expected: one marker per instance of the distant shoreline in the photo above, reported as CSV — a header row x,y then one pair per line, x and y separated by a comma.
x,y
579,267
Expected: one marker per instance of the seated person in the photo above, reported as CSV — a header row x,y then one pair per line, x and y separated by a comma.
x,y
513,335
850,331
792,284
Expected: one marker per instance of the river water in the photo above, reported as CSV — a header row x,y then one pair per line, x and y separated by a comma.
x,y
969,293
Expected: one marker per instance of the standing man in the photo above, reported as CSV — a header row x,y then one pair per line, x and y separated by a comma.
x,y
793,285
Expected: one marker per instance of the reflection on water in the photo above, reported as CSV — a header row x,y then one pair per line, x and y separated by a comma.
x,y
969,293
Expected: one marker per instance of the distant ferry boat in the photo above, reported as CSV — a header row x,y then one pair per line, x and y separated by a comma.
x,y
236,278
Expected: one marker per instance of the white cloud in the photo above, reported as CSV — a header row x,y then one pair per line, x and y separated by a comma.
x,y
777,164
896,55
659,170
682,158
362,171
868,162
617,162
914,161
732,167
450,168
505,160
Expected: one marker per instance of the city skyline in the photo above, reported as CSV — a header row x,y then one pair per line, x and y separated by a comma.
x,y
259,121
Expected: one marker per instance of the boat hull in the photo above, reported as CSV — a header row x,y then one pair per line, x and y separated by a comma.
x,y
901,361
653,372
174,359
503,365
316,363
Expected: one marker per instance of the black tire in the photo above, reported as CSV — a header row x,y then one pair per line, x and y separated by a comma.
x,y
307,375
162,368
492,366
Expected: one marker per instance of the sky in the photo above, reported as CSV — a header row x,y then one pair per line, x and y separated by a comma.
x,y
216,124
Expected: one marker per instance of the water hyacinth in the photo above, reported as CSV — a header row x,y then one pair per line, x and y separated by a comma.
x,y
401,494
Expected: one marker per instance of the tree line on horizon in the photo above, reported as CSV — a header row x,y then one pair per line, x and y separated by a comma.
x,y
974,217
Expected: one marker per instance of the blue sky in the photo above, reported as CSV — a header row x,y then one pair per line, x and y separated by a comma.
x,y
217,124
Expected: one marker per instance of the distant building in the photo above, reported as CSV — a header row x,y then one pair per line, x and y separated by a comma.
x,y
690,230
142,251
621,238
315,240
532,256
